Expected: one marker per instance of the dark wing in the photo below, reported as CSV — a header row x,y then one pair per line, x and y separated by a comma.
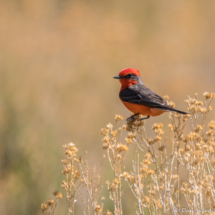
x,y
143,96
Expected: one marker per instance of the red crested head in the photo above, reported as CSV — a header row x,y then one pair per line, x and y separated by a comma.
x,y
128,77
127,71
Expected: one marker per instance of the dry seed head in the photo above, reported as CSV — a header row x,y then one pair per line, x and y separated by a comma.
x,y
151,171
131,135
192,101
130,178
65,171
170,127
190,201
69,167
161,187
147,199
198,146
124,174
207,95
172,104
158,138
190,136
121,148
106,139
114,133
161,148
64,184
109,213
175,177
210,133
104,131
157,126
119,156
64,161
114,139
51,202
77,174
109,125
148,155
98,208
211,125
181,151
186,117
58,194
150,141
72,147
185,184
187,147
177,115
124,127
166,97
115,184
200,103
127,176
195,162
118,117
116,181
44,207
79,159
105,146
107,182
143,168
183,190
147,161
152,193
128,140
186,156
68,152
202,109
210,108
198,128
159,131
71,150
187,101
192,109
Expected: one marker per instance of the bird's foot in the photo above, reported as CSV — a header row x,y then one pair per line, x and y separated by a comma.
x,y
132,117
145,118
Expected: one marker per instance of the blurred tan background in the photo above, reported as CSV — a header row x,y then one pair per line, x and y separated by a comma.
x,y
57,60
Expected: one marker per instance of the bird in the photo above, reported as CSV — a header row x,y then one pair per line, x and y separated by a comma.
x,y
138,98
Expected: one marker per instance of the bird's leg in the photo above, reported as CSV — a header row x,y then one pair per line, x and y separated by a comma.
x,y
145,117
132,117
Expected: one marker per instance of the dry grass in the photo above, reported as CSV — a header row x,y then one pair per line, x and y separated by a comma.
x,y
161,182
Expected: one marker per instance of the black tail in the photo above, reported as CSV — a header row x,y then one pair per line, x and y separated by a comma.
x,y
178,111
173,109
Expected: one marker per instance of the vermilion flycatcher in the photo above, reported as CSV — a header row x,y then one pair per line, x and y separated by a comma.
x,y
138,98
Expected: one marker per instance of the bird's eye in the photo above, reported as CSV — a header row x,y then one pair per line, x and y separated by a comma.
x,y
130,75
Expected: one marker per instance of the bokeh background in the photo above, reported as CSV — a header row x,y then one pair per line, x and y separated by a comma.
x,y
57,60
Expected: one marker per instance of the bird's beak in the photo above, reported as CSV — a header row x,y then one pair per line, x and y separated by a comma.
x,y
118,77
